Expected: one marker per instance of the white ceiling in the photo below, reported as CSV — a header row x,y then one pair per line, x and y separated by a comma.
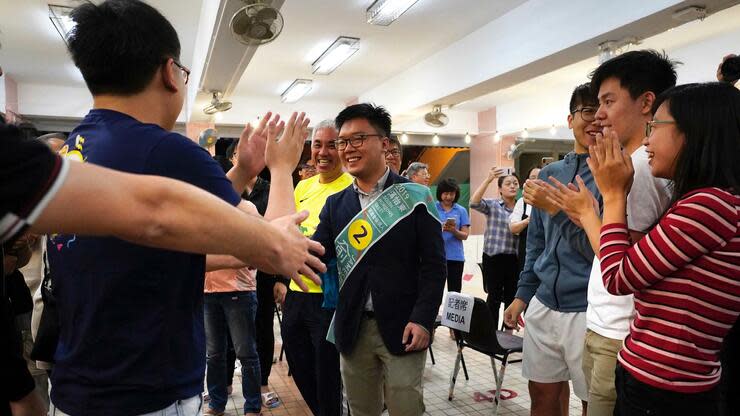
x,y
542,101
312,25
33,52
34,55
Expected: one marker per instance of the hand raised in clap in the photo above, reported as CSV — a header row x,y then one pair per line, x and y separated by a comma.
x,y
251,149
536,193
575,201
611,166
285,142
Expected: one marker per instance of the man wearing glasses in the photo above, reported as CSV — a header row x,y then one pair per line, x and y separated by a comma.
x,y
386,237
553,283
418,172
132,338
314,361
394,155
626,87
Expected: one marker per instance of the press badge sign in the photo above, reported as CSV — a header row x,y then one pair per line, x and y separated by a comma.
x,y
457,311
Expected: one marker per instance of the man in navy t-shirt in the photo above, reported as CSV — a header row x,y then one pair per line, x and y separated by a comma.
x,y
132,339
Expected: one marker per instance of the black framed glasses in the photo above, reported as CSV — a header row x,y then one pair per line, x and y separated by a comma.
x,y
650,125
185,71
355,140
587,113
393,153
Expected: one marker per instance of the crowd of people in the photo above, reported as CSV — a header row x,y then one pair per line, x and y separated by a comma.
x,y
152,266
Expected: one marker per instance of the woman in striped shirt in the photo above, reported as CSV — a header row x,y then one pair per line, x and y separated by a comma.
x,y
685,273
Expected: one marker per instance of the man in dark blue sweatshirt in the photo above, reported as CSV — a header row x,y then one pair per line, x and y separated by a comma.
x,y
554,280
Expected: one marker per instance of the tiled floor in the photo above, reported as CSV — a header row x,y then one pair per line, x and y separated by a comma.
x,y
436,386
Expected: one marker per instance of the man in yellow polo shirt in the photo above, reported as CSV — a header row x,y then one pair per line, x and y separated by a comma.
x,y
314,362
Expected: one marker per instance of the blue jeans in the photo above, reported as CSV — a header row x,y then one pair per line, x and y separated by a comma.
x,y
235,312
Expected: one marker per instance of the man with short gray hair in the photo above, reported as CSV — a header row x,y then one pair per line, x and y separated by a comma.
x,y
419,173
313,361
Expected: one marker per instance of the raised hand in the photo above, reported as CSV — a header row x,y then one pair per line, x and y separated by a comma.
x,y
536,194
250,158
611,166
576,201
285,142
494,173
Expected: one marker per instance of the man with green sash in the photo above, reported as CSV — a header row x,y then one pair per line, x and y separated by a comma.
x,y
386,238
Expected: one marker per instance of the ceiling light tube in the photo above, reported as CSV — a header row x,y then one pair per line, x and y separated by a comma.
x,y
385,12
63,23
296,90
335,55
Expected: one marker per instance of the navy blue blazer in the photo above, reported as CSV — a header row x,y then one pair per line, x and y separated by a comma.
x,y
405,272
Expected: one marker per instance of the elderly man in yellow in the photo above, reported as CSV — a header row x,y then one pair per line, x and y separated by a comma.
x,y
314,362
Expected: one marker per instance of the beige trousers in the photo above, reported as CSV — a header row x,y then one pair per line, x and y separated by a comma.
x,y
599,363
373,376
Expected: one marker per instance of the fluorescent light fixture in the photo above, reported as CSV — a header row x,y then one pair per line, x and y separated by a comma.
x,y
63,23
467,138
435,139
404,138
335,55
525,134
296,90
385,12
553,130
496,137
218,116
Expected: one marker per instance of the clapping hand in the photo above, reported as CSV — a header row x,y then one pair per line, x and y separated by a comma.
x,y
611,166
575,201
285,142
251,149
536,193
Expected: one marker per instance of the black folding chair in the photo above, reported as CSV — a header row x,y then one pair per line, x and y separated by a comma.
x,y
484,338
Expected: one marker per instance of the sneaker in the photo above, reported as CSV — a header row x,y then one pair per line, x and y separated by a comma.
x,y
212,412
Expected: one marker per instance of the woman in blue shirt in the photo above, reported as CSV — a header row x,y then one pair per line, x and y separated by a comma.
x,y
455,227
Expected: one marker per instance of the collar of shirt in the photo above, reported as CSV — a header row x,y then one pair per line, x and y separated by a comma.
x,y
376,189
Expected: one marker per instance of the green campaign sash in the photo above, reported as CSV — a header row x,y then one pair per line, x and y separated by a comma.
x,y
373,223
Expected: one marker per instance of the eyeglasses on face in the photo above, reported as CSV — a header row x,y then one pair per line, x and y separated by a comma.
x,y
393,153
587,113
355,140
185,71
650,125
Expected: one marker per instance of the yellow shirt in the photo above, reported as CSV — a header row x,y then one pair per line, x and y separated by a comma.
x,y
311,195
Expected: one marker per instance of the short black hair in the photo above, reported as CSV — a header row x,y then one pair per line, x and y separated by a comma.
x,y
638,72
222,146
709,117
119,44
582,95
394,140
448,185
377,116
730,69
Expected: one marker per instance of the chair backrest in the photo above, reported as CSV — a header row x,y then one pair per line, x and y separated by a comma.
x,y
482,335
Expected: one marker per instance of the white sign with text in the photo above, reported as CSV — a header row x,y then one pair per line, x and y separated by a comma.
x,y
457,311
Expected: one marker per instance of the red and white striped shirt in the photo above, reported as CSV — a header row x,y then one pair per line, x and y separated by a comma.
x,y
685,275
